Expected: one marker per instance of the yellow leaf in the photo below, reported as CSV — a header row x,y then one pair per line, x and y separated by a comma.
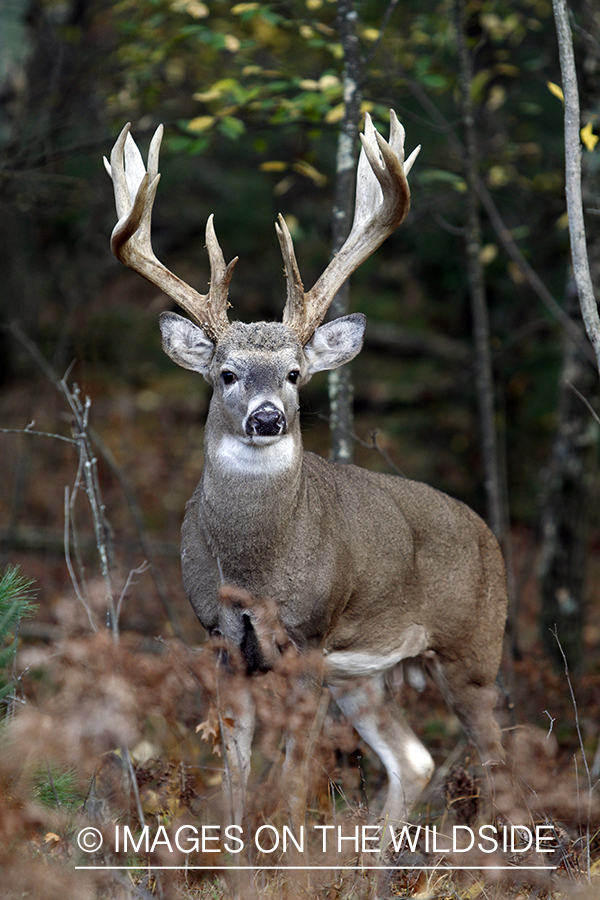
x,y
329,82
232,43
498,176
273,165
588,137
556,90
193,7
201,123
207,96
488,254
336,114
371,34
305,168
51,837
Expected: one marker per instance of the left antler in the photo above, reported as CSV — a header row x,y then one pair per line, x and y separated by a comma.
x,y
382,204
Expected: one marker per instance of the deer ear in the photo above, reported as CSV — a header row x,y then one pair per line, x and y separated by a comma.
x,y
335,343
185,343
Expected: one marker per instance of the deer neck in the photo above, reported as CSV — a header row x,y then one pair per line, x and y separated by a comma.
x,y
249,492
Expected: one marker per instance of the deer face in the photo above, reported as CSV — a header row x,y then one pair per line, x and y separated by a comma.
x,y
256,370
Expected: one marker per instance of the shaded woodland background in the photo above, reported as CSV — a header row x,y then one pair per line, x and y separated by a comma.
x,y
251,96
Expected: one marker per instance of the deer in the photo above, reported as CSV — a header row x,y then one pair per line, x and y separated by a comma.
x,y
374,572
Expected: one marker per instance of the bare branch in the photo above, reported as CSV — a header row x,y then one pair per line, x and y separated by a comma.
x,y
584,400
582,747
30,430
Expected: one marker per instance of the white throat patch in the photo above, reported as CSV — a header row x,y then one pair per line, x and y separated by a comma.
x,y
247,458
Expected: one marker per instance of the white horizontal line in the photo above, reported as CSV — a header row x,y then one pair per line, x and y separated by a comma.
x,y
304,868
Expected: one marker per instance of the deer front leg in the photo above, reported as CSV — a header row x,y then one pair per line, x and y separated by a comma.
x,y
299,749
236,719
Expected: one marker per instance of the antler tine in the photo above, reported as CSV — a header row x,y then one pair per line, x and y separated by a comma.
x,y
135,191
382,203
295,304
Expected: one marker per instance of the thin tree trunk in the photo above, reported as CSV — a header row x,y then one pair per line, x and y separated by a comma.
x,y
340,383
581,268
495,488
481,329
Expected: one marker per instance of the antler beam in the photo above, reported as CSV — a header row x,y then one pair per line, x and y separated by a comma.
x,y
135,190
382,203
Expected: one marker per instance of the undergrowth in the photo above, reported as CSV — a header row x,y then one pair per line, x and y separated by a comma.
x,y
121,737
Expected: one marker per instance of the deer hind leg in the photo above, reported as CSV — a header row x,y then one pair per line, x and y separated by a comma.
x,y
375,715
472,698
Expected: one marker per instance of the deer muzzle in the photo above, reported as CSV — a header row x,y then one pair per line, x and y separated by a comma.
x,y
265,421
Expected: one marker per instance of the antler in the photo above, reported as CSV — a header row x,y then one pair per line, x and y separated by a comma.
x,y
382,203
135,190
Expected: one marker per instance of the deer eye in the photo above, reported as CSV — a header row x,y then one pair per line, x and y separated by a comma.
x,y
293,376
228,377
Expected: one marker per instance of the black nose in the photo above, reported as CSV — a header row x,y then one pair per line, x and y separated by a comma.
x,y
265,421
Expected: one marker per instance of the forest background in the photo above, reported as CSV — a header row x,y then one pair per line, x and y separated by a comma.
x,y
252,99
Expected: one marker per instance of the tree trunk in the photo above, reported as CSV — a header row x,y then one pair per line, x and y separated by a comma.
x,y
339,380
484,376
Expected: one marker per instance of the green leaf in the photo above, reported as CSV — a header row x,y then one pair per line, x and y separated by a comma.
x,y
231,127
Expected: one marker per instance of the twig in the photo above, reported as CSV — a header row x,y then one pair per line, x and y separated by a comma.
x,y
134,784
78,592
139,571
584,400
581,744
89,469
552,721
532,278
373,445
29,430
384,24
136,514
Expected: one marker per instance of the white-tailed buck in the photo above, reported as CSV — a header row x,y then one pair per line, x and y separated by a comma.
x,y
370,570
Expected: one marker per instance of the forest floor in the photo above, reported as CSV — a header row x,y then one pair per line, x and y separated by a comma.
x,y
115,734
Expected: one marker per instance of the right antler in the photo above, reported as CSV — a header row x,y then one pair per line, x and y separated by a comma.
x,y
135,190
382,203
